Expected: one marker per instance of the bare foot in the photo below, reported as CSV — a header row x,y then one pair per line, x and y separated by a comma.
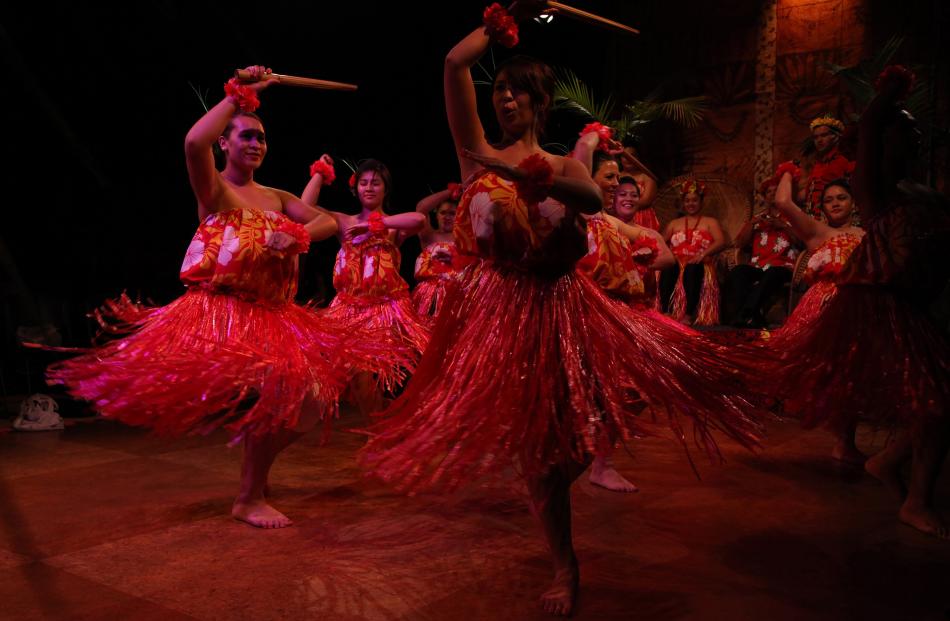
x,y
609,478
560,597
925,520
847,453
259,514
887,473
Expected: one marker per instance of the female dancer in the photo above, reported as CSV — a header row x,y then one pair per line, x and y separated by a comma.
x,y
530,363
610,261
646,182
234,351
372,297
693,282
650,258
874,353
830,244
439,261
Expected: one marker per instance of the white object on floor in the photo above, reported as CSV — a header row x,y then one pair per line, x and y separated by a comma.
x,y
38,412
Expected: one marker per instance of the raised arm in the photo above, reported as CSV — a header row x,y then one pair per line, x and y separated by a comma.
x,y
460,101
199,141
648,190
430,203
584,150
805,227
311,192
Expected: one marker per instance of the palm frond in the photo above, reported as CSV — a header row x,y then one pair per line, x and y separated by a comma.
x,y
570,92
859,78
686,111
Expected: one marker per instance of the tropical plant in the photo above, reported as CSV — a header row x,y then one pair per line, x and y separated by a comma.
x,y
859,80
571,93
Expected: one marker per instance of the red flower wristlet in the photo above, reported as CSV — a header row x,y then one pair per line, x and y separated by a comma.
x,y
376,223
244,96
300,235
605,133
500,26
323,169
539,177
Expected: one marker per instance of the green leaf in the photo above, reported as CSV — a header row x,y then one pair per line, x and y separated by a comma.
x,y
570,92
686,111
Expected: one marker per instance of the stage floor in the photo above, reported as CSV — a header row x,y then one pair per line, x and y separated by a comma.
x,y
101,521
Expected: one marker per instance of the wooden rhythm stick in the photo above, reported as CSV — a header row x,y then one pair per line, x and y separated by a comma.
x,y
292,80
590,18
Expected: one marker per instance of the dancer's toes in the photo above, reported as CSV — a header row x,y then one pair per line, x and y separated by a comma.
x,y
259,514
560,597
609,478
925,520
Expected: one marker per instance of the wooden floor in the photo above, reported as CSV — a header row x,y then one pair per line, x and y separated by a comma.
x,y
101,521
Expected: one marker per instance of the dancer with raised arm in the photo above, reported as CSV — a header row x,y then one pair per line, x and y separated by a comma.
x,y
234,351
372,298
439,261
874,353
528,365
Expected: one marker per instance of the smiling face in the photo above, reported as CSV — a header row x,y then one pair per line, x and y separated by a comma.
x,y
626,200
692,203
607,178
244,144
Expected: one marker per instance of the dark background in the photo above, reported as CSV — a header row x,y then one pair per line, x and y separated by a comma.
x,y
97,100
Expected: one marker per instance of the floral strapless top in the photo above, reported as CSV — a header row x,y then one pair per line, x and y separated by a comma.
x,y
827,261
494,223
369,267
437,260
228,253
689,243
609,261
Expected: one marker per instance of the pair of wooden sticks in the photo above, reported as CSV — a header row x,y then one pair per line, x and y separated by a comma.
x,y
553,7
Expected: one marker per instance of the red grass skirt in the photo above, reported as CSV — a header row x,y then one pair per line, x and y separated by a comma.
x,y
211,360
391,323
530,371
428,296
866,355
